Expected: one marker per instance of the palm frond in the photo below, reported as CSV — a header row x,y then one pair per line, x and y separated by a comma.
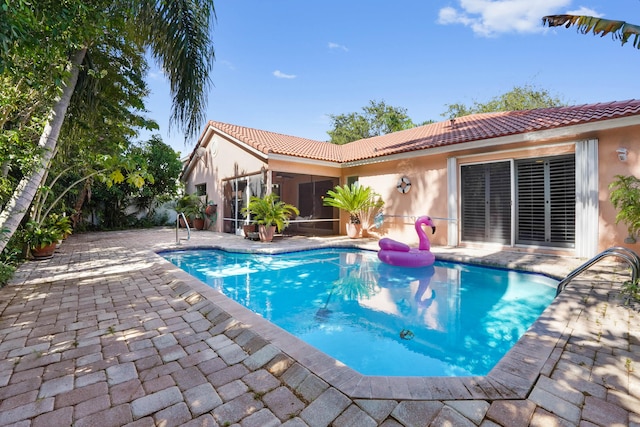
x,y
619,30
179,37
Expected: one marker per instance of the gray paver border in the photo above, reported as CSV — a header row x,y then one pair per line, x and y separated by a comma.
x,y
512,378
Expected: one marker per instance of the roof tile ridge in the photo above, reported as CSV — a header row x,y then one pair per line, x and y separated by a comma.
x,y
236,132
269,132
243,133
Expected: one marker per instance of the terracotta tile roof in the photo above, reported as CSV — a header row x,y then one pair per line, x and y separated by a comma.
x,y
276,143
477,127
470,128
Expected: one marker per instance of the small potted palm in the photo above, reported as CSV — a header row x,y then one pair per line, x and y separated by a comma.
x,y
358,201
270,214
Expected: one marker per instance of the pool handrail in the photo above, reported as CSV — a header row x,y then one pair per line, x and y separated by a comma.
x,y
186,223
618,251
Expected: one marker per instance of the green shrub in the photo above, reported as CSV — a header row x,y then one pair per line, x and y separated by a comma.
x,y
625,197
6,273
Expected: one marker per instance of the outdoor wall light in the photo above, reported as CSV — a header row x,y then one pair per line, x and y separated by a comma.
x,y
200,154
622,154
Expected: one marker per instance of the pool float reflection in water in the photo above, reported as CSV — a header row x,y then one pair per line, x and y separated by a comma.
x,y
397,253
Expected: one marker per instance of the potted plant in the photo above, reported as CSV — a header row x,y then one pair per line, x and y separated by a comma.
x,y
193,209
196,214
270,214
41,239
61,223
358,201
625,196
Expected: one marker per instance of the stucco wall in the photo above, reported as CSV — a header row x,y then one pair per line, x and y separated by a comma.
x,y
610,166
428,174
222,159
427,195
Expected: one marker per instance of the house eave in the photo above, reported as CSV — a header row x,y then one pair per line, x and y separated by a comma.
x,y
263,156
542,135
303,160
191,162
204,140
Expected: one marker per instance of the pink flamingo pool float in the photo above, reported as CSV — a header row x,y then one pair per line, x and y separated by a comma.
x,y
400,254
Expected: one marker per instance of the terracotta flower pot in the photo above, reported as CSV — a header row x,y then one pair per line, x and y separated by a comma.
x,y
45,252
198,223
353,230
183,225
266,232
248,230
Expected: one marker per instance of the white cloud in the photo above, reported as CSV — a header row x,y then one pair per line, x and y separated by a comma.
x,y
157,73
279,74
228,64
338,46
585,11
492,17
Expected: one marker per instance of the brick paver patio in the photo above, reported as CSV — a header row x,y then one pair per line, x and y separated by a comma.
x,y
107,333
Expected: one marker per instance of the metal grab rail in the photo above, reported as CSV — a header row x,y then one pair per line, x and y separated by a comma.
x,y
184,218
415,217
627,254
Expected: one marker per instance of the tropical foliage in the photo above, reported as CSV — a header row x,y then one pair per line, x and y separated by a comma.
x,y
164,164
625,197
40,235
358,201
619,30
191,206
269,210
129,204
85,62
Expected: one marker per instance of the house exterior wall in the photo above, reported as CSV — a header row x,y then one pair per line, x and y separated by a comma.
x,y
608,167
430,192
427,196
223,159
305,167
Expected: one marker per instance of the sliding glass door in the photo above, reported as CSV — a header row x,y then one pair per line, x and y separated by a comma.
x,y
544,204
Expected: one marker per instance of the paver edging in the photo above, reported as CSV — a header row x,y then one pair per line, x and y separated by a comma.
x,y
499,384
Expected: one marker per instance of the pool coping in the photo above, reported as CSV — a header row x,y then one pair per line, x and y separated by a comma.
x,y
513,377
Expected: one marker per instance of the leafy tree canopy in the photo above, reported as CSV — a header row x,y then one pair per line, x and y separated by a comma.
x,y
52,50
165,166
377,118
519,98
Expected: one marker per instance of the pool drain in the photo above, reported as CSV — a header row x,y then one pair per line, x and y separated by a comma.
x,y
406,334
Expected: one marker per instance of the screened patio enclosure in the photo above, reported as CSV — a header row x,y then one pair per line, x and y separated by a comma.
x,y
306,192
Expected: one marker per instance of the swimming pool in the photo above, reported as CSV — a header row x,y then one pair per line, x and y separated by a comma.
x,y
446,320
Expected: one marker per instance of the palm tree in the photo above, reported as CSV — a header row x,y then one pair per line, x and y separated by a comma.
x,y
177,34
620,30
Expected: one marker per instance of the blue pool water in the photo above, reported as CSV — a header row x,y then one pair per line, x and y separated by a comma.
x,y
446,320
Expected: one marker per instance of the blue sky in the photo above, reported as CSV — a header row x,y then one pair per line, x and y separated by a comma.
x,y
286,65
